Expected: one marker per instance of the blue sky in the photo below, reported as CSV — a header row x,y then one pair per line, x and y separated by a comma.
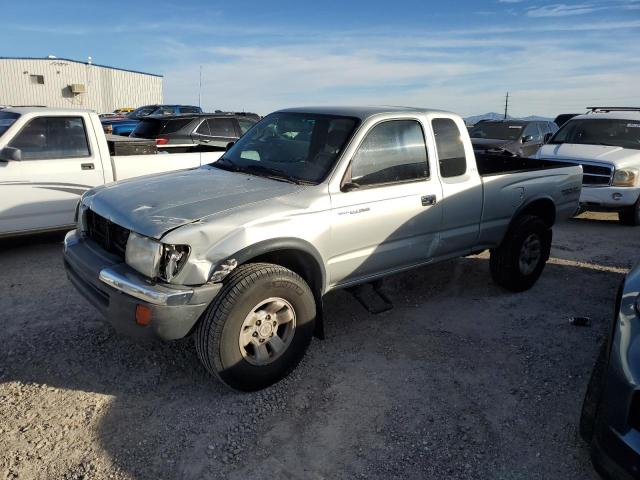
x,y
255,55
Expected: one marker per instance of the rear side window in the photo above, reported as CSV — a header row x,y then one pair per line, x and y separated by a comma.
x,y
451,154
52,137
148,128
392,151
172,126
222,127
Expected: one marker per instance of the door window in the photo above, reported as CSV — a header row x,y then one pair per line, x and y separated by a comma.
x,y
222,127
52,137
392,151
451,153
245,124
533,130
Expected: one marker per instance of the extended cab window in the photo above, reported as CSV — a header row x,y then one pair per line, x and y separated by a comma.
x,y
451,154
392,151
52,137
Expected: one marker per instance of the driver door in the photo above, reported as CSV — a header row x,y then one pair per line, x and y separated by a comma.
x,y
387,214
40,191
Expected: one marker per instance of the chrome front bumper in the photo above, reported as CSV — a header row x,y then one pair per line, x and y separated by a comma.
x,y
116,290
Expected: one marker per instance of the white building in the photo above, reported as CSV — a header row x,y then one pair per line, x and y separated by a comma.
x,y
60,82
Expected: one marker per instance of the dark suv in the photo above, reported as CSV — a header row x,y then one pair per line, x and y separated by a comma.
x,y
514,137
184,133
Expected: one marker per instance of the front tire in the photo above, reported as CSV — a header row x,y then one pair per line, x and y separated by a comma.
x,y
631,215
258,328
518,262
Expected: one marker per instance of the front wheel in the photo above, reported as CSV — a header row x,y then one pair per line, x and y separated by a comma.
x,y
631,215
258,328
518,262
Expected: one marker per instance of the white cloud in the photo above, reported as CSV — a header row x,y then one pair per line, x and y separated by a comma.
x,y
450,71
563,10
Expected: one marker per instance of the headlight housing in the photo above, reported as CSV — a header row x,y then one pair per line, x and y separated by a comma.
x,y
154,259
626,177
143,254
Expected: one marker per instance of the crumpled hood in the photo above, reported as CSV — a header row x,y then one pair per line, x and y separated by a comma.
x,y
156,204
618,156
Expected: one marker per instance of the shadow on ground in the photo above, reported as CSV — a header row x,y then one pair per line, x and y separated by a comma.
x,y
460,380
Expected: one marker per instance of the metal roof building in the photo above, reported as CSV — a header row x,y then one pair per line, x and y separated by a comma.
x,y
61,82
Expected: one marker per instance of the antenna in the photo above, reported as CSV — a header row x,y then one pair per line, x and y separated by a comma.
x,y
506,106
200,88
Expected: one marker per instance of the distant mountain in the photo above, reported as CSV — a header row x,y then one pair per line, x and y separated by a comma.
x,y
500,116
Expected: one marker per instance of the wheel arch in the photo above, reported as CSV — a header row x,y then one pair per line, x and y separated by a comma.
x,y
298,256
543,207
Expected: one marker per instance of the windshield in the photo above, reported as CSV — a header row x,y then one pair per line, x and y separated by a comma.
x,y
603,131
6,120
299,146
141,112
499,131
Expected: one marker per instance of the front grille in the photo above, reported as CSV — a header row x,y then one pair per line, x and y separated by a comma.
x,y
596,175
113,238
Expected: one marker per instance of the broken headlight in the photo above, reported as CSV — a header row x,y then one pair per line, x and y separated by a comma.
x,y
154,259
173,259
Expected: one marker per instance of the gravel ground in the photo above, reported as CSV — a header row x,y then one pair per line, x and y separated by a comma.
x,y
461,380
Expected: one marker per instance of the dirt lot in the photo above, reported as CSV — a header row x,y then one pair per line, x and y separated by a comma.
x,y
461,380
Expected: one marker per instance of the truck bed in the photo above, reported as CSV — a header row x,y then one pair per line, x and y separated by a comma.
x,y
498,164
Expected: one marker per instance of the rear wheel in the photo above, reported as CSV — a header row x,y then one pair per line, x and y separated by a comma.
x,y
631,215
258,328
518,262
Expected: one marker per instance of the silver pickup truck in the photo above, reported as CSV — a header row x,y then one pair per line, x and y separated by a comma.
x,y
240,252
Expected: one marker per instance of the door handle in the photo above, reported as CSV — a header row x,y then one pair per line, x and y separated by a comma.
x,y
87,166
428,200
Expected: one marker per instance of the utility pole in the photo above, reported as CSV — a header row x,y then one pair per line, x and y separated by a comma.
x,y
506,105
200,89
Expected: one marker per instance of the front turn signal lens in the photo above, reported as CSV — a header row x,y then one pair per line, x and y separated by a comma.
x,y
143,315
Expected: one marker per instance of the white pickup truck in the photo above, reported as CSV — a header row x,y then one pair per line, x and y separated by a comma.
x,y
606,142
49,157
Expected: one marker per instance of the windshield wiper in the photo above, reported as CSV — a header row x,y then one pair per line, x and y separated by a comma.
x,y
225,164
272,173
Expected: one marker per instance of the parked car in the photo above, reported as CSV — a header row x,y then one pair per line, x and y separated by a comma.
x,y
610,420
49,157
188,131
241,252
606,141
564,118
110,115
124,126
514,137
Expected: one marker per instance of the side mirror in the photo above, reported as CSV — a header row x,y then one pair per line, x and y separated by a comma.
x,y
10,154
547,137
527,138
229,145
